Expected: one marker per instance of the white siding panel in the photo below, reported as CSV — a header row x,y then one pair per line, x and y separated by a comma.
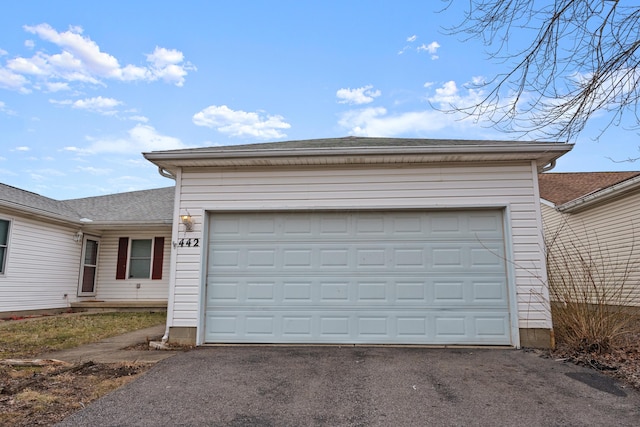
x,y
402,187
110,289
42,266
610,230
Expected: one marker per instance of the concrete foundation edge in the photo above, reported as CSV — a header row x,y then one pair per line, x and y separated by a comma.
x,y
182,335
533,338
537,338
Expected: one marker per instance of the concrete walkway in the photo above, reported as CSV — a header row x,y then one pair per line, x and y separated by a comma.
x,y
111,350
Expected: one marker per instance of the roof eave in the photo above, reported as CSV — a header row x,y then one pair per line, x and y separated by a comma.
x,y
115,225
542,153
39,213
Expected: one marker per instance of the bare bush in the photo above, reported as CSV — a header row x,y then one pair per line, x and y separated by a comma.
x,y
591,287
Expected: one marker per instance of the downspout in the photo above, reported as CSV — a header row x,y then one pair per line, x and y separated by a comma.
x,y
549,166
165,173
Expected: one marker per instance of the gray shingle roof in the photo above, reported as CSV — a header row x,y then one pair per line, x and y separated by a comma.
x,y
139,206
154,205
22,199
347,142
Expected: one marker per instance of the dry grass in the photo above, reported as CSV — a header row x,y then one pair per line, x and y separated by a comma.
x,y
36,336
54,397
591,292
51,394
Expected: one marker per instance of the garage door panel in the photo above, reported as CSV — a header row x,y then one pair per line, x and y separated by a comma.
x,y
360,277
408,327
445,291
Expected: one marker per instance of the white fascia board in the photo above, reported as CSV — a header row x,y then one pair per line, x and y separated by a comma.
x,y
547,203
543,153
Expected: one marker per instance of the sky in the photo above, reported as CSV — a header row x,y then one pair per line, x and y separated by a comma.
x,y
86,87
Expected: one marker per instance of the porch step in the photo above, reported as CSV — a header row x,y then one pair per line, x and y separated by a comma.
x,y
97,306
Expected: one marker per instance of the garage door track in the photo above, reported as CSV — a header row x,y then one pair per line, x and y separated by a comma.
x,y
363,386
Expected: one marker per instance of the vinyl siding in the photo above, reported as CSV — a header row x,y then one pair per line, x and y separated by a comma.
x,y
399,187
42,266
611,230
110,289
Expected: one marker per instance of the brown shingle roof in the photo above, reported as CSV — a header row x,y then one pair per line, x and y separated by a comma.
x,y
560,188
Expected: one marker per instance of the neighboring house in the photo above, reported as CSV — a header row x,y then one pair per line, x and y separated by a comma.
x,y
57,254
596,213
359,240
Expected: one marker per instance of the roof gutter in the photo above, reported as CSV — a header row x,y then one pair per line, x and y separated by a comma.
x,y
39,213
359,151
611,192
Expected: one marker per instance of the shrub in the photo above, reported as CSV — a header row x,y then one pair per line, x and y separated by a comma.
x,y
591,286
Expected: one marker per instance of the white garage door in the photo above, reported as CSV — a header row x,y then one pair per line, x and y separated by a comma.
x,y
358,277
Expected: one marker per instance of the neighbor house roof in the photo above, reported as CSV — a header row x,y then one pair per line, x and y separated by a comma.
x,y
358,150
573,190
154,205
16,198
140,207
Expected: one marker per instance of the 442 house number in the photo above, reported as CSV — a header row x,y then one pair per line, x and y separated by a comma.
x,y
189,243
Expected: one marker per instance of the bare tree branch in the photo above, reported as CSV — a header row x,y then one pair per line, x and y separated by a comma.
x,y
582,61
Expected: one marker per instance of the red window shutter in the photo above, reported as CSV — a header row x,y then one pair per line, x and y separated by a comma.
x,y
158,253
121,266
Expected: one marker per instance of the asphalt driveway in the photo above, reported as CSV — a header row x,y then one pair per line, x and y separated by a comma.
x,y
363,386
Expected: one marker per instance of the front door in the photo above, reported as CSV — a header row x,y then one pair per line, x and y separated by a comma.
x,y
89,267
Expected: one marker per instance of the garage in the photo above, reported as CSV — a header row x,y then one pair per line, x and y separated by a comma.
x,y
359,240
357,277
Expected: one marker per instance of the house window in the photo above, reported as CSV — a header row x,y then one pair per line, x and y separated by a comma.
x,y
140,258
4,243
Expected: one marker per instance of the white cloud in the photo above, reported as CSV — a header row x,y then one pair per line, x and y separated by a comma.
x,y
377,122
22,148
57,86
431,48
449,95
12,81
94,171
97,104
165,65
241,123
30,44
3,52
141,119
141,138
362,95
81,60
412,38
380,122
5,109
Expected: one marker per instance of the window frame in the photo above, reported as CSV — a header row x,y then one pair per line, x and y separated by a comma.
x,y
148,257
5,255
124,257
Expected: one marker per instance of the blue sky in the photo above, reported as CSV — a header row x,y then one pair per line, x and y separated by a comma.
x,y
85,87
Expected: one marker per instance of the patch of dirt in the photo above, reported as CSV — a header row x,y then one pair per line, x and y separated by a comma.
x,y
31,396
622,362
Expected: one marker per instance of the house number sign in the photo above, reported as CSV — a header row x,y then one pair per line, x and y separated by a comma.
x,y
189,243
